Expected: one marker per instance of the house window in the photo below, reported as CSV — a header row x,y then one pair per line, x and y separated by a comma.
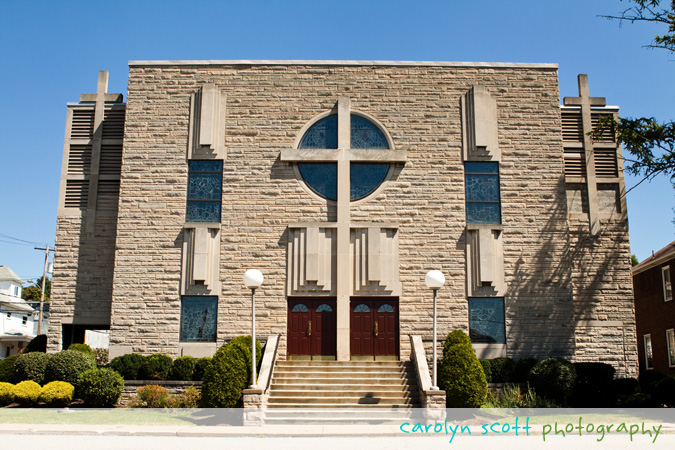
x,y
204,193
9,315
667,287
24,321
481,180
198,319
670,339
649,360
365,177
486,320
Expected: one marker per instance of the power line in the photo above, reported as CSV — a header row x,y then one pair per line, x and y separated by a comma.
x,y
6,236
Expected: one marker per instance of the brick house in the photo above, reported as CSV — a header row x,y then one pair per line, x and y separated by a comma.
x,y
655,310
344,182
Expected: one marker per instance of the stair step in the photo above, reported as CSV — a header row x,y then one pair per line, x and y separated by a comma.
x,y
297,386
359,393
330,405
339,400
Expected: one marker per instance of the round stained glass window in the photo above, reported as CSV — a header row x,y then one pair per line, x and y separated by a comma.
x,y
365,177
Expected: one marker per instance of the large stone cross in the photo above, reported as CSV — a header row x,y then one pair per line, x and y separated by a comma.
x,y
343,156
586,102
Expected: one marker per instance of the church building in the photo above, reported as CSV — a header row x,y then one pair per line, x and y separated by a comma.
x,y
344,183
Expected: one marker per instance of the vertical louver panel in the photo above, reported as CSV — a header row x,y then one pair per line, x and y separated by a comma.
x,y
113,122
108,194
605,162
82,126
77,193
79,159
575,164
111,160
572,127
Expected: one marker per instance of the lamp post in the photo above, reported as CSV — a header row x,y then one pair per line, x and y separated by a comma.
x,y
434,281
253,278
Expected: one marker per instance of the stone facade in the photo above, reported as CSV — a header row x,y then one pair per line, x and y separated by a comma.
x,y
566,284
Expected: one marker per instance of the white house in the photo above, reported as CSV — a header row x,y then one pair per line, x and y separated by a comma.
x,y
17,319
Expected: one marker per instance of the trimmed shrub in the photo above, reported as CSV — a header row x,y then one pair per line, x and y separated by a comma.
x,y
26,393
503,370
523,368
229,373
31,366
101,355
487,369
460,374
153,396
100,388
127,365
6,393
84,348
200,368
56,394
593,387
68,365
625,386
553,378
455,337
648,380
182,368
637,400
7,369
37,344
155,367
664,391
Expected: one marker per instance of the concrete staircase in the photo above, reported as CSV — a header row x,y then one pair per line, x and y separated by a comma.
x,y
342,389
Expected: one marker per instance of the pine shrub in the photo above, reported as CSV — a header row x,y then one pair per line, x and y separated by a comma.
x,y
503,370
31,366
68,365
229,374
155,367
6,393
56,394
127,365
554,379
460,373
37,344
7,369
200,368
26,393
182,368
487,370
84,348
100,388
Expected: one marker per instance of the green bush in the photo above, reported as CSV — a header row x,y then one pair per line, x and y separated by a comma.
x,y
454,338
637,400
155,367
593,387
200,368
229,374
460,374
37,344
68,365
101,356
182,368
188,399
31,366
152,396
127,365
523,368
625,386
6,393
665,391
100,388
503,370
487,370
553,378
84,348
7,369
648,380
26,393
56,394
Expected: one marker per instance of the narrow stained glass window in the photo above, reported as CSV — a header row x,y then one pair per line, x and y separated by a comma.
x,y
204,194
486,320
482,192
198,319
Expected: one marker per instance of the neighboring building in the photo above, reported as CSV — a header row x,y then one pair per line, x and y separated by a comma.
x,y
655,310
17,318
344,183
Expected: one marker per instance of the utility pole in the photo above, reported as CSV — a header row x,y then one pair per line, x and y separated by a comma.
x,y
44,279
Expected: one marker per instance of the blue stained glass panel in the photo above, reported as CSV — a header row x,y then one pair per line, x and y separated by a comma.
x,y
205,186
481,167
205,190
362,308
482,188
203,211
386,308
205,166
365,134
324,307
486,320
198,319
483,213
365,178
481,182
300,307
323,134
321,178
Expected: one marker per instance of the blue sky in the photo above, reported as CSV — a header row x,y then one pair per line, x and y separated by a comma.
x,y
51,52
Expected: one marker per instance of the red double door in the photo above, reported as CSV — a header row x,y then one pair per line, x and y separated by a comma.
x,y
312,329
374,327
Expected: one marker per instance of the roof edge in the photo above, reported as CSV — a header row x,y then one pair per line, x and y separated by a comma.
x,y
651,264
293,62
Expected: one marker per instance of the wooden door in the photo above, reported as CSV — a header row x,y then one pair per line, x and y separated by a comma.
x,y
374,327
312,327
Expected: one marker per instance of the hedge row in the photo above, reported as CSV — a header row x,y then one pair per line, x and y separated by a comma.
x,y
160,367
